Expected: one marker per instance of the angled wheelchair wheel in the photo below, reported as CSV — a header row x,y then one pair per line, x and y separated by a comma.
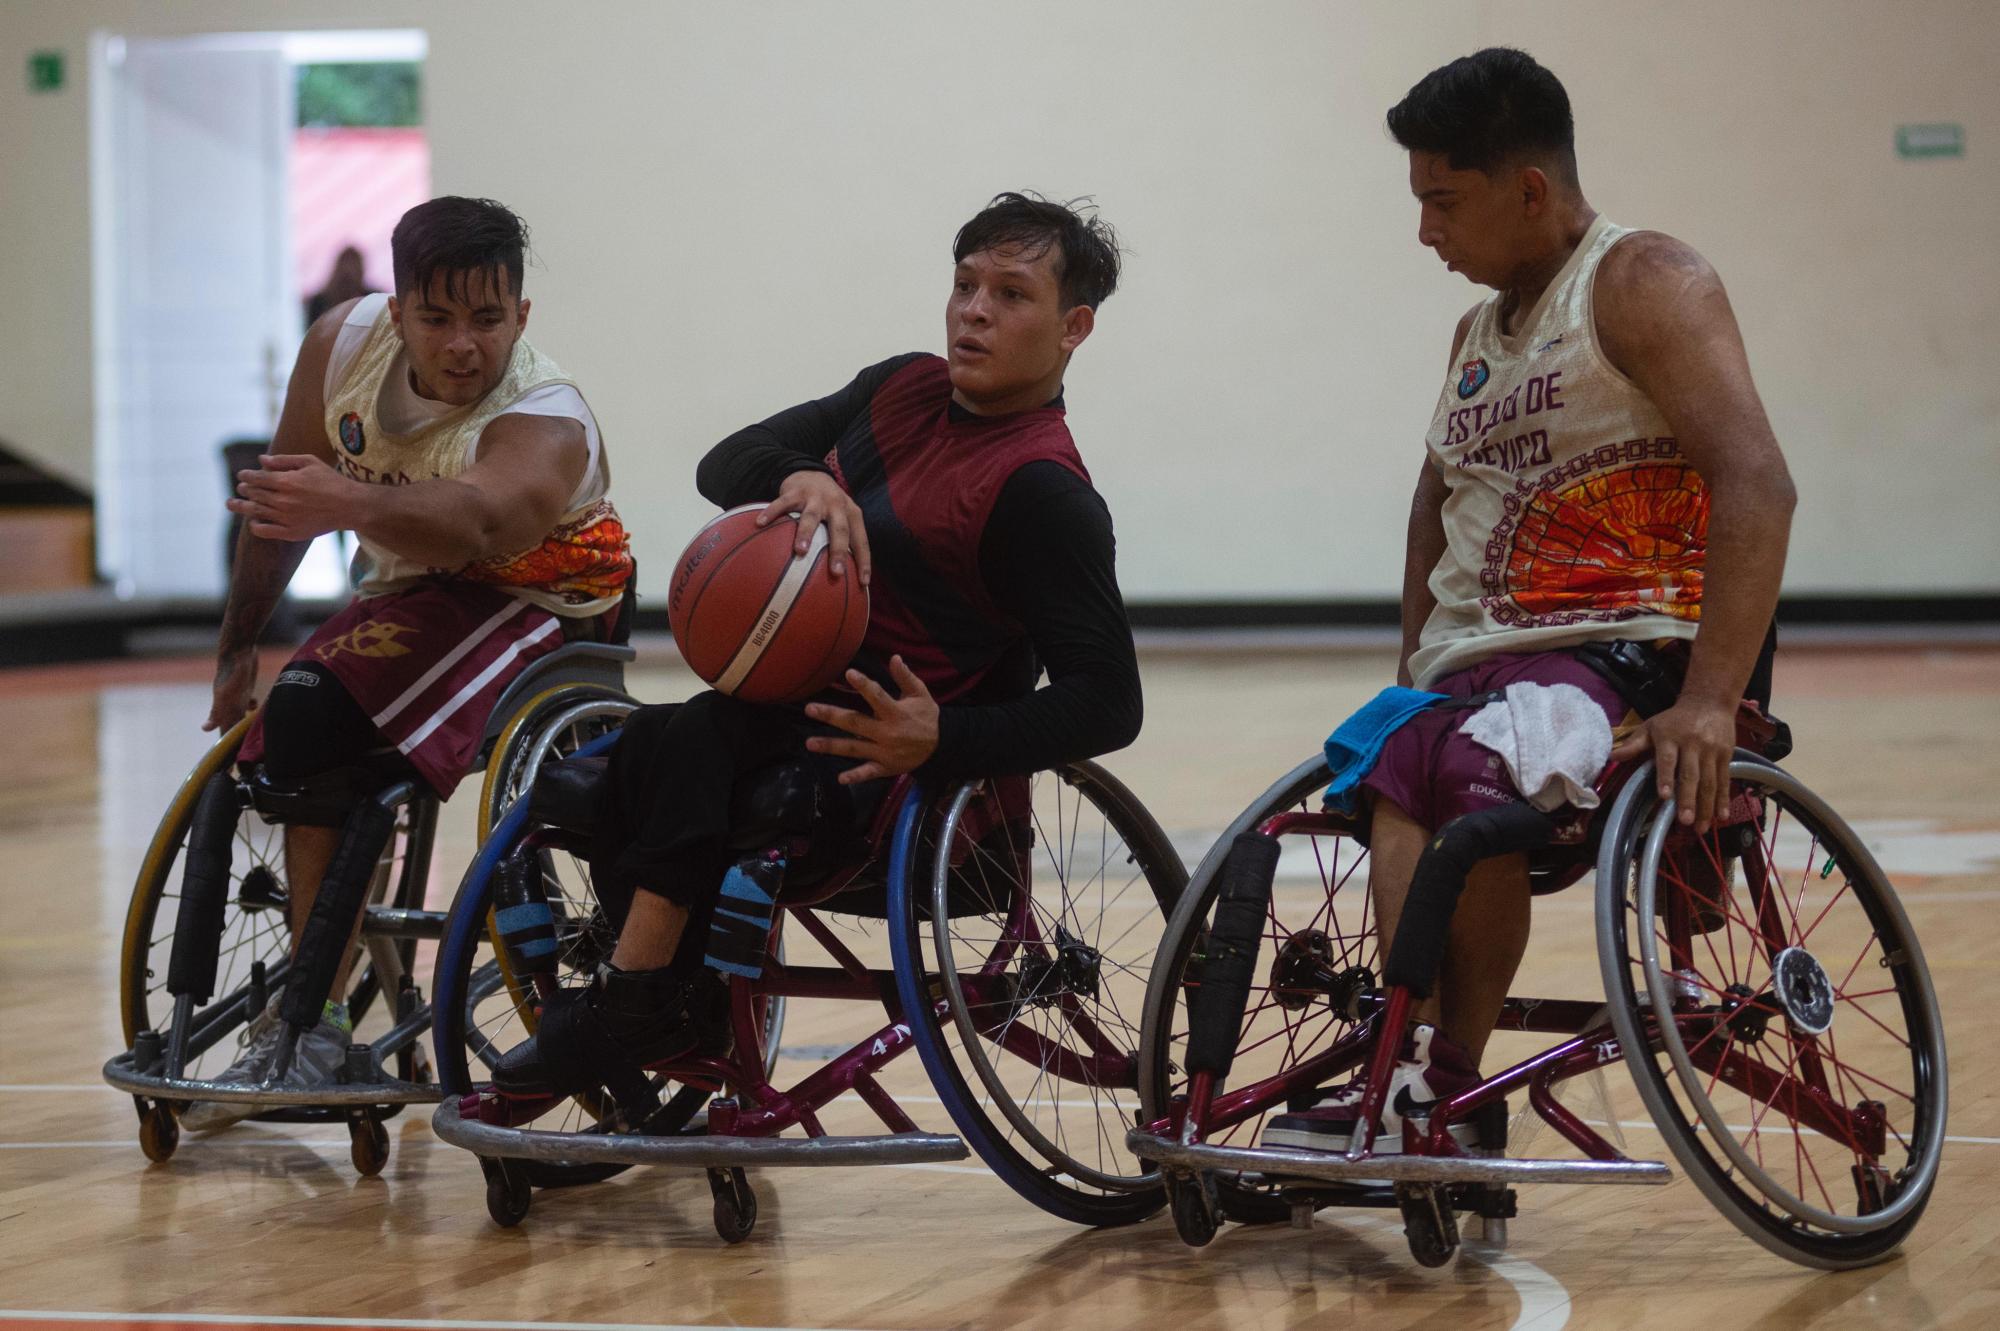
x,y
256,939
1774,1008
1022,945
553,724
1312,989
484,1007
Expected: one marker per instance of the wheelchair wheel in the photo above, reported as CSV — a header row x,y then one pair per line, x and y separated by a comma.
x,y
255,936
553,724
483,1008
1025,1010
1314,982
1800,1079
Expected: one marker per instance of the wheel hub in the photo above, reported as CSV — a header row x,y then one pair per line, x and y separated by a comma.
x,y
1075,968
1803,990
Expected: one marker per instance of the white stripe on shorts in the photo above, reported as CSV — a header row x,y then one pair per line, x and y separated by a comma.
x,y
479,681
452,658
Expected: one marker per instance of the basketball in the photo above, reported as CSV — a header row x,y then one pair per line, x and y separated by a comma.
x,y
758,622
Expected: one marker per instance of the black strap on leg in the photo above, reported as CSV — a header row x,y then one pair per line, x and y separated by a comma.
x,y
1215,1007
1418,949
204,891
342,894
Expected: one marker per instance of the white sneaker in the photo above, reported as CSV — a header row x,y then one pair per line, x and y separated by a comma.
x,y
1429,1068
317,1060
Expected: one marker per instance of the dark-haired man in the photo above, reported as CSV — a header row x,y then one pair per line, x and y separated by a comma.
x,y
1599,469
472,472
951,487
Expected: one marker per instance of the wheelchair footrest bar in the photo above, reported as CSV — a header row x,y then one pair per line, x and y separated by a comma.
x,y
698,1151
121,1075
1278,1162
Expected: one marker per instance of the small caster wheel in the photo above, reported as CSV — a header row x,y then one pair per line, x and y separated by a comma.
x,y
1194,1210
367,1146
508,1194
159,1133
1428,1223
735,1204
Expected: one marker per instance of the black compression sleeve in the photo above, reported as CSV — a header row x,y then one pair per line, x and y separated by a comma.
x,y
1048,556
750,465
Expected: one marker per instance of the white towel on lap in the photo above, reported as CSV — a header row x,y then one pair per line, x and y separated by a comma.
x,y
1553,738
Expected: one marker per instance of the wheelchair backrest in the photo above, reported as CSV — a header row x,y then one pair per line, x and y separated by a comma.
x,y
599,663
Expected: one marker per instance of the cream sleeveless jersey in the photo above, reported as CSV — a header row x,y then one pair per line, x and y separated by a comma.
x,y
383,433
1571,515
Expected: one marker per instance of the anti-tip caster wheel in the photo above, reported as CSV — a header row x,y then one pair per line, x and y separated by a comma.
x,y
735,1204
508,1193
1428,1223
367,1146
1196,1215
159,1133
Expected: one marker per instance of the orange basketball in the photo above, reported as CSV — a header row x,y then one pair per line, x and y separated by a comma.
x,y
756,621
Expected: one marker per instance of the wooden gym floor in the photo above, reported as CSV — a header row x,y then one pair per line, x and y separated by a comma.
x,y
268,1225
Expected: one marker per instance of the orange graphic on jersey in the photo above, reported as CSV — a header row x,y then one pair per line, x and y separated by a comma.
x,y
587,559
374,638
1627,540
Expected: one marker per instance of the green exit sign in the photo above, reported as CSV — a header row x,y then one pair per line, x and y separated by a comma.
x,y
45,71
1930,140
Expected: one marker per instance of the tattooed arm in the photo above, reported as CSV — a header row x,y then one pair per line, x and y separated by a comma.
x,y
263,567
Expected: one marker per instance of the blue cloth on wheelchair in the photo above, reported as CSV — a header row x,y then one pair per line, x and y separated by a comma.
x,y
1355,744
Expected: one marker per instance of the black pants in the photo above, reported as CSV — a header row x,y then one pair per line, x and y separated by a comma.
x,y
677,781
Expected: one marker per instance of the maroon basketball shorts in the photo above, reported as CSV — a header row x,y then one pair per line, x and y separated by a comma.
x,y
427,665
1435,774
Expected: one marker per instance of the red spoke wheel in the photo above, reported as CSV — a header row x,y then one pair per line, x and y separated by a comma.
x,y
1775,1009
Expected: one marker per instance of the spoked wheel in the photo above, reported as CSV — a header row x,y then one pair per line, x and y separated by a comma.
x,y
1042,906
1801,1079
484,1008
256,940
551,725
1313,982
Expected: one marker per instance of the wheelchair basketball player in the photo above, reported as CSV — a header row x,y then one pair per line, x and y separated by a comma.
x,y
471,470
1597,452
951,487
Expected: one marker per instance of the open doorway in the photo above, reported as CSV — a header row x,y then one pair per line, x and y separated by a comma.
x,y
230,170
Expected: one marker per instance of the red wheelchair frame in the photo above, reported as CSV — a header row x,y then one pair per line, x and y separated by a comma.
x,y
1719,1032
991,831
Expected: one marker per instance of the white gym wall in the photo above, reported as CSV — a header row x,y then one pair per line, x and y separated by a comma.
x,y
737,205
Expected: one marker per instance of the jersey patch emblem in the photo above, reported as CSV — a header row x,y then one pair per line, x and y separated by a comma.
x,y
350,433
1471,378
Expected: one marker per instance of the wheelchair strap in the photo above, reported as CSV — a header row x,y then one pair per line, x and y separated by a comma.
x,y
1418,949
1229,960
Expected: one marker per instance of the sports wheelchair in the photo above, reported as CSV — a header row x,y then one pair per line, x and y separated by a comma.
x,y
1761,984
201,955
1020,916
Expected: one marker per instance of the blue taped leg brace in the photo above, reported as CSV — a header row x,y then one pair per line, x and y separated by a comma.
x,y
740,932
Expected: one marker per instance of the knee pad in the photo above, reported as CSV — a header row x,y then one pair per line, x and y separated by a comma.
x,y
1418,948
324,799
